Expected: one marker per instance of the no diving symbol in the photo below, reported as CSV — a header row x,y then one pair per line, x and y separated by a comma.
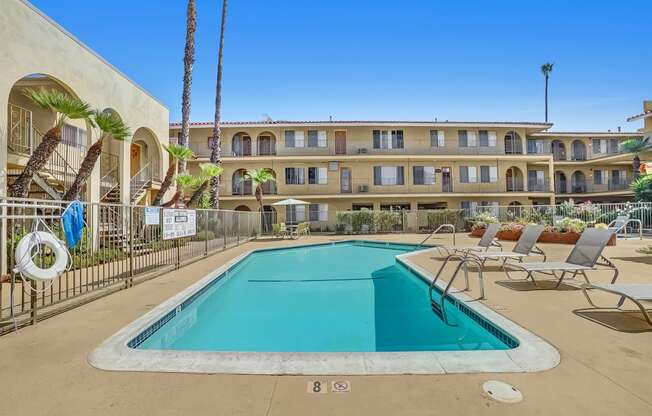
x,y
342,386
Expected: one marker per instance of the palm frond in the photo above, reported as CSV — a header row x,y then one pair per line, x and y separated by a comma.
x,y
634,145
260,176
210,170
110,124
188,182
546,69
66,106
179,152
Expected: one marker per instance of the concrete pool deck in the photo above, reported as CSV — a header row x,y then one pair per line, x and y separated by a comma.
x,y
602,370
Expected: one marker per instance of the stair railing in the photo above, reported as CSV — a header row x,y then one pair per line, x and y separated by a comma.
x,y
141,180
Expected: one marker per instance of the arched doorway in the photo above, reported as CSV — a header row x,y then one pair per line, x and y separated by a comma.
x,y
242,208
241,144
558,150
150,154
514,180
578,182
269,217
513,143
560,182
579,150
28,122
514,208
240,185
266,144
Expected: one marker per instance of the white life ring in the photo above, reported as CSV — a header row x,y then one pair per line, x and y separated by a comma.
x,y
25,264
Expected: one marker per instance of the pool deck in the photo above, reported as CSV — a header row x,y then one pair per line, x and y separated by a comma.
x,y
602,370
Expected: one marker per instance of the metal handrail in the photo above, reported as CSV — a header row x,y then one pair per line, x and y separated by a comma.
x,y
451,226
115,184
439,308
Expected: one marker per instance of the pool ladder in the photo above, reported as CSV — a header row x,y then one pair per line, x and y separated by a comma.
x,y
464,262
450,226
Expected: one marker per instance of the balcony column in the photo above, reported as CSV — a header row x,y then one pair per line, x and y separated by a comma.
x,y
4,138
551,176
124,174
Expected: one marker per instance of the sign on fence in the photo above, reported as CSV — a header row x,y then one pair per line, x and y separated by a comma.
x,y
179,223
152,215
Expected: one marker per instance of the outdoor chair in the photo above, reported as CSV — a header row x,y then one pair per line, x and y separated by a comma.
x,y
639,293
585,256
621,223
282,230
487,241
525,246
303,229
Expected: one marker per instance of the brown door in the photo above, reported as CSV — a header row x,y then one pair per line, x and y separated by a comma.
x,y
340,142
345,180
135,159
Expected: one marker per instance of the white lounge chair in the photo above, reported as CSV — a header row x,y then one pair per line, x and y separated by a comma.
x,y
585,256
525,246
639,293
487,241
621,223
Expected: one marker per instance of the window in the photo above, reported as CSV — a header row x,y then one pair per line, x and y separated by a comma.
x,y
423,175
483,136
316,138
381,139
294,176
605,146
294,138
619,176
73,136
462,138
318,176
389,175
318,212
488,174
209,142
536,180
295,213
468,174
437,138
613,145
535,146
599,177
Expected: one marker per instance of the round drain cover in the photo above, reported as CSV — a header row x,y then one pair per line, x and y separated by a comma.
x,y
502,392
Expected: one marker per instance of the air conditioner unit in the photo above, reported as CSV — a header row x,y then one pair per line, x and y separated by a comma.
x,y
362,151
363,188
333,166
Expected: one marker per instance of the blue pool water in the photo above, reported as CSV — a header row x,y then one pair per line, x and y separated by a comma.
x,y
338,297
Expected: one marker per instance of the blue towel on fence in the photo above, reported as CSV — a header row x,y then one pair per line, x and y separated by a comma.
x,y
73,223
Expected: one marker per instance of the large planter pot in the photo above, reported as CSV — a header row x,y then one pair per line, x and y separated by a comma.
x,y
511,235
559,238
478,232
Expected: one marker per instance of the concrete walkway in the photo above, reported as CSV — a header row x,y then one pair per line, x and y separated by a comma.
x,y
602,371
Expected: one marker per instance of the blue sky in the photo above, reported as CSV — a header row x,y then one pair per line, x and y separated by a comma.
x,y
372,59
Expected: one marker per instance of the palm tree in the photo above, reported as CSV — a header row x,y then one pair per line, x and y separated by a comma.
x,y
642,188
635,146
216,144
546,70
209,170
258,178
109,124
66,108
188,61
185,182
176,153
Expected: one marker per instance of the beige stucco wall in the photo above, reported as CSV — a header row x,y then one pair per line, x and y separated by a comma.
x,y
32,44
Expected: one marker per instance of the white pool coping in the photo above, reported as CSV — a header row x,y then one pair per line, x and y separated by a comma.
x,y
532,354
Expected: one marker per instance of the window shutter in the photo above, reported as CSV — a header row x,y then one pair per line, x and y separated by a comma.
x,y
429,175
289,138
484,174
298,139
440,138
492,139
471,139
417,173
464,174
323,212
473,174
376,136
322,139
400,175
493,174
377,175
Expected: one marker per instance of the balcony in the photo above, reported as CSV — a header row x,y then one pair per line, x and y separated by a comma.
x,y
586,187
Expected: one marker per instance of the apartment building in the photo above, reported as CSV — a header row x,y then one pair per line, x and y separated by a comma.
x,y
353,165
41,54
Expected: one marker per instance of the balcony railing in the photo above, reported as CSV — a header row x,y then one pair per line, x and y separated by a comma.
x,y
611,185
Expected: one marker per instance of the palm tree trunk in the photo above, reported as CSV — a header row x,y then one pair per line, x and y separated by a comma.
x,y
167,182
173,201
546,98
85,170
198,193
217,141
36,162
188,61
636,166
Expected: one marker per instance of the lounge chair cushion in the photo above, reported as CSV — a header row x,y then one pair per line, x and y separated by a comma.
x,y
638,291
551,265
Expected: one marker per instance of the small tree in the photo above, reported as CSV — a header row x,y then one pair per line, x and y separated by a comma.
x,y
109,124
176,153
66,108
635,146
546,70
209,171
260,177
185,183
642,188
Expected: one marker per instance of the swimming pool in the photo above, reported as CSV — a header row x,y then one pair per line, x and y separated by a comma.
x,y
320,309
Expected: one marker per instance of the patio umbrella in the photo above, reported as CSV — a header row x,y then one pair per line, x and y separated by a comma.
x,y
291,201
